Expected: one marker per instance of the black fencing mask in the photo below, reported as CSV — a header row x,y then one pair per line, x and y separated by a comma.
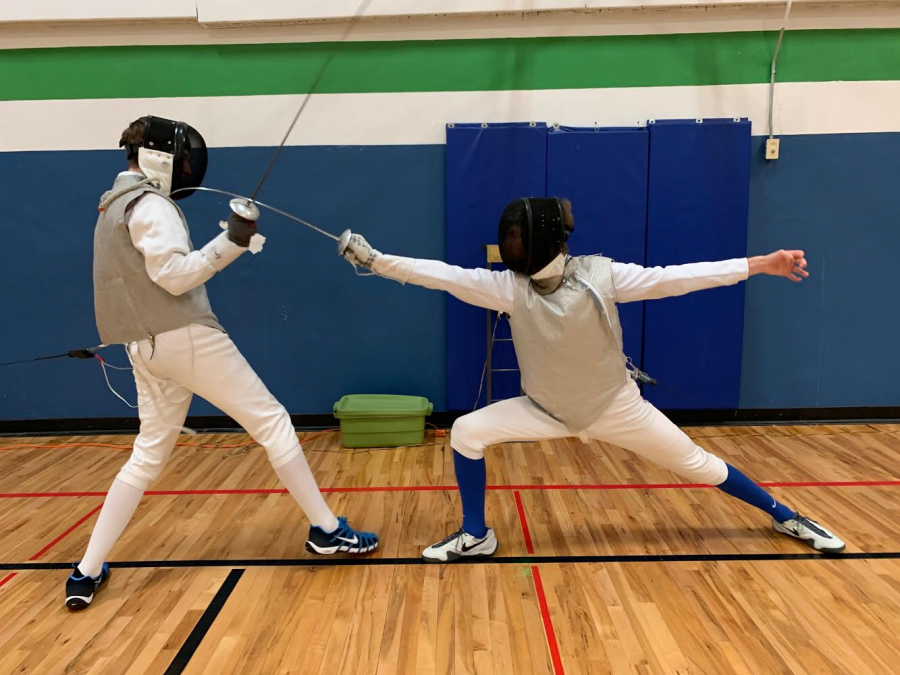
x,y
531,234
174,154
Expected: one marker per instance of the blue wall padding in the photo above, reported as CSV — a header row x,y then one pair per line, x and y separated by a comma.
x,y
697,211
486,169
832,340
311,328
603,172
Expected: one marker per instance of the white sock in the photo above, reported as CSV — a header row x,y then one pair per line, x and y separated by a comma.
x,y
301,483
118,507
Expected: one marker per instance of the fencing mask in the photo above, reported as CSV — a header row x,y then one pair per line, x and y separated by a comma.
x,y
172,153
532,233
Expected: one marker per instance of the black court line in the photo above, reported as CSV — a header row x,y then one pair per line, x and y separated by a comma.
x,y
183,657
493,560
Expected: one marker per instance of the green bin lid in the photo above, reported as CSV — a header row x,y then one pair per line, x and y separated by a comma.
x,y
381,405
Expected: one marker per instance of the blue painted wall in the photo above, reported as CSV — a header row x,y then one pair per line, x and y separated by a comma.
x,y
314,331
311,328
832,340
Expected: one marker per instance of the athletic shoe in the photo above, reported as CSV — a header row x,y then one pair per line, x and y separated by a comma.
x,y
808,530
343,540
80,588
461,544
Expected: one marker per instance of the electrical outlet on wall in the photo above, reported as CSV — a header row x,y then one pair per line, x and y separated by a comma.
x,y
772,148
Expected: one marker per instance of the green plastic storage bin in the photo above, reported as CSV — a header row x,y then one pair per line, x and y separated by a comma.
x,y
382,420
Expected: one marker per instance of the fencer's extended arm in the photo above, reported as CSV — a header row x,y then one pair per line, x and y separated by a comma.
x,y
634,282
157,232
479,287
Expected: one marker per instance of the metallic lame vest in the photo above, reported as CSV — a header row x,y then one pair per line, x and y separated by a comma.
x,y
127,304
569,342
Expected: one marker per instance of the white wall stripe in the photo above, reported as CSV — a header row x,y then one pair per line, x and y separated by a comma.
x,y
613,22
97,10
419,118
224,11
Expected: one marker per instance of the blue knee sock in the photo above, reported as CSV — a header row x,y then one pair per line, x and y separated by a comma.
x,y
740,486
471,476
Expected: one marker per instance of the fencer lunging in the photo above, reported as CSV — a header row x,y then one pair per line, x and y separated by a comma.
x,y
568,341
149,295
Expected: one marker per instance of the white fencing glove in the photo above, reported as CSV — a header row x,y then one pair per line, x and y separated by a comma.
x,y
359,252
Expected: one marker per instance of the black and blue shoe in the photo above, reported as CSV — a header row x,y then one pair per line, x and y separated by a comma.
x,y
80,588
343,540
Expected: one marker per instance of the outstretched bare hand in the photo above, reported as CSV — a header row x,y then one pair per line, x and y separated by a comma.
x,y
788,264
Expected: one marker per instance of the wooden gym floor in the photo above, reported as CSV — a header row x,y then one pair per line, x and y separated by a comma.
x,y
606,563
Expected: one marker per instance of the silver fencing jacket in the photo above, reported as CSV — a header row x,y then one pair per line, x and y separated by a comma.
x,y
128,305
569,342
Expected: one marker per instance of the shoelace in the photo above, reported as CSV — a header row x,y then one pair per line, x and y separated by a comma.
x,y
366,539
458,535
812,526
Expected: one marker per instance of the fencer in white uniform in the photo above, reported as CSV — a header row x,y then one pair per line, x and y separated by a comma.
x,y
568,340
150,296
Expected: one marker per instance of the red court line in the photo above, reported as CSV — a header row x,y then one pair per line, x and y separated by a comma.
x,y
25,495
548,624
689,486
444,488
524,522
539,590
55,541
833,483
66,533
260,491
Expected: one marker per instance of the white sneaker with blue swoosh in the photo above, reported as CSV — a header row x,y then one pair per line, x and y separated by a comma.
x,y
461,544
809,531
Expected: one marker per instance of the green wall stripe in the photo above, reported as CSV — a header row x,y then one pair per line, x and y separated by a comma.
x,y
447,65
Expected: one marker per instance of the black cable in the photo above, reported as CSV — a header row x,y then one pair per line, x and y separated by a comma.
x,y
87,353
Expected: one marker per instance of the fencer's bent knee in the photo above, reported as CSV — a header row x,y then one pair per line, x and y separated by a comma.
x,y
276,433
703,467
142,470
284,455
466,437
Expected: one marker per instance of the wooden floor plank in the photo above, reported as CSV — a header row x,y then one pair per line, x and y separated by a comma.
x,y
821,453
777,616
136,628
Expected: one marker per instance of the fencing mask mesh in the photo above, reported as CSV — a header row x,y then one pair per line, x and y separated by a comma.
x,y
531,234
